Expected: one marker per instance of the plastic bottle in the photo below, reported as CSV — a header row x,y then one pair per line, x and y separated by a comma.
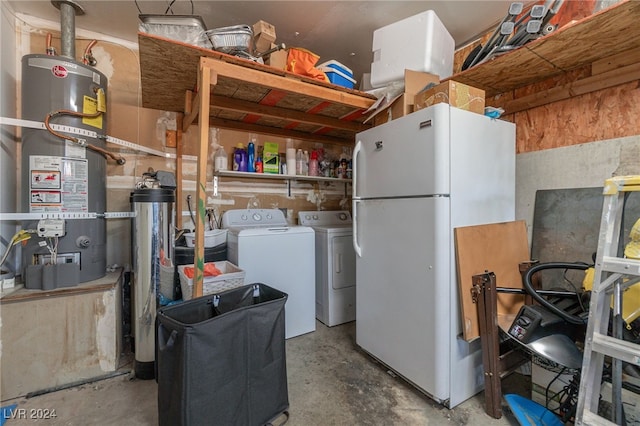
x,y
305,164
313,164
220,159
240,158
259,165
291,158
251,152
299,162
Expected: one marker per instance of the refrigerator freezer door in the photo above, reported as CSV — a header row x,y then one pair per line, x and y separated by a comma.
x,y
483,169
405,157
403,288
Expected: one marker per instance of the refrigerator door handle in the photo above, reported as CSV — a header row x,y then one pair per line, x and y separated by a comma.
x,y
356,151
356,244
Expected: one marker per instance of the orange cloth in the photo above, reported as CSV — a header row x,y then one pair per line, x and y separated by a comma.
x,y
302,61
210,270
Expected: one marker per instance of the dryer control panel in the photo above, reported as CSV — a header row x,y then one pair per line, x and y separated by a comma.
x,y
325,217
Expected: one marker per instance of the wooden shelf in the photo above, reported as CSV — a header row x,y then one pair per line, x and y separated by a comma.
x,y
231,173
249,96
603,34
228,92
273,176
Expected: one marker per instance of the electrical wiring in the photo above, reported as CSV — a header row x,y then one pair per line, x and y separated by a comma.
x,y
169,7
117,158
20,236
193,219
52,246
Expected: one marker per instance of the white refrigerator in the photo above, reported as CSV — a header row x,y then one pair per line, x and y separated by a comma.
x,y
415,180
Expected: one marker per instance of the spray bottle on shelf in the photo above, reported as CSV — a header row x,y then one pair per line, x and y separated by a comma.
x,y
313,164
251,154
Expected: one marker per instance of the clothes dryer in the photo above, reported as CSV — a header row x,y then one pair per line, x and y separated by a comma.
x,y
335,265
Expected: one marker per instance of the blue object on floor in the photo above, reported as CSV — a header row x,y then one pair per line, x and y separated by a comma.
x,y
6,413
530,413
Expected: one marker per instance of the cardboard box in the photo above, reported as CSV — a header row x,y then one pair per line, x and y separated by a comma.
x,y
455,94
278,59
271,159
263,35
401,105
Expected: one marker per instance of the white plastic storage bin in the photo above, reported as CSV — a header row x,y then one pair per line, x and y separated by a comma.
x,y
212,238
231,277
419,43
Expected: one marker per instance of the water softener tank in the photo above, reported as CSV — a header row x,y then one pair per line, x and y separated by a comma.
x,y
59,176
153,268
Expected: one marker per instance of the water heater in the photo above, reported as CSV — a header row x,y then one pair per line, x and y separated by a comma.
x,y
63,177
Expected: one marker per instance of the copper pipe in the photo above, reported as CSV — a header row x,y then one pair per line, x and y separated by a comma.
x,y
87,52
117,158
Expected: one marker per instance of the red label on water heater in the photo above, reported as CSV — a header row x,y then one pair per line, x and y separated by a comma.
x,y
59,71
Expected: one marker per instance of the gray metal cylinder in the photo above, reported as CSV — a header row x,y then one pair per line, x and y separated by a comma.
x,y
153,268
68,11
68,34
59,176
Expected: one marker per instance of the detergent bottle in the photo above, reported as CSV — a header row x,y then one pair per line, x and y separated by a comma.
x,y
220,159
240,158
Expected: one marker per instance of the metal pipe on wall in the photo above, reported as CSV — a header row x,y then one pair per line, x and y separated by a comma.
x,y
68,11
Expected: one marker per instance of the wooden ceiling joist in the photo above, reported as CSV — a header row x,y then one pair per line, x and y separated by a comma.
x,y
284,113
257,97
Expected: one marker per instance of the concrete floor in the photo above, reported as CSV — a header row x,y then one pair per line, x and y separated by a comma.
x,y
331,382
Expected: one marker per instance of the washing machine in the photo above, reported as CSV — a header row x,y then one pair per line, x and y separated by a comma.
x,y
335,265
262,244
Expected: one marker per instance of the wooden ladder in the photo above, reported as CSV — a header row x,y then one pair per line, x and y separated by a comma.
x,y
613,275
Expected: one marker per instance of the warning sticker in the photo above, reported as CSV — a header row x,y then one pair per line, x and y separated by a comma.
x,y
68,175
44,179
90,106
45,197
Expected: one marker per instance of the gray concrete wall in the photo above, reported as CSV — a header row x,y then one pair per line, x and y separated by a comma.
x,y
578,166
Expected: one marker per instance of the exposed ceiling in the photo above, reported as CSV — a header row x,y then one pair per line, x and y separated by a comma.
x,y
340,30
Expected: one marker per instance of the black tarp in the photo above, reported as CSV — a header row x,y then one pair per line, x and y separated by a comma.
x,y
221,358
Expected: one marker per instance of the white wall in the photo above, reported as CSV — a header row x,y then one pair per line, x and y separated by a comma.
x,y
8,144
578,166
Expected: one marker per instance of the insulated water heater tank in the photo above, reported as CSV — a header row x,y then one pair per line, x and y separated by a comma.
x,y
59,176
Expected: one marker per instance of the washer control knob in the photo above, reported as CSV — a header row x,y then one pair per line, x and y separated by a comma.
x,y
269,216
315,217
257,217
343,216
243,217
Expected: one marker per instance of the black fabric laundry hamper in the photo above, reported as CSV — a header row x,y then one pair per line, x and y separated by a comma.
x,y
221,358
